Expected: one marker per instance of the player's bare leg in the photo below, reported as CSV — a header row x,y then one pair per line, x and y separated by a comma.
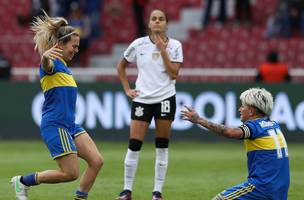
x,y
138,129
69,170
88,151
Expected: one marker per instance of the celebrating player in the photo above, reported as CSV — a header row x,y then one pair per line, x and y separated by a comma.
x,y
57,43
268,163
158,59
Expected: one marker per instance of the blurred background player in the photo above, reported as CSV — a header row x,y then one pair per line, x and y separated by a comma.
x,y
138,7
5,68
36,10
81,22
158,59
267,154
57,43
243,12
272,70
221,19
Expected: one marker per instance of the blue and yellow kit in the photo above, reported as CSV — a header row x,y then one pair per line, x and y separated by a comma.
x,y
268,163
58,127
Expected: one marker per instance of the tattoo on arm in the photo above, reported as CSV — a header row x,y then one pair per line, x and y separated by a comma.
x,y
216,128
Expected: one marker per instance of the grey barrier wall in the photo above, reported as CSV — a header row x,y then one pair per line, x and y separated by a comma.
x,y
104,110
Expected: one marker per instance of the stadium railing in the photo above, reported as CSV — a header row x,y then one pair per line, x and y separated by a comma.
x,y
186,74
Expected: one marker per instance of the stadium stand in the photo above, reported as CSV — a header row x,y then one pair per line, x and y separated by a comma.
x,y
225,47
15,40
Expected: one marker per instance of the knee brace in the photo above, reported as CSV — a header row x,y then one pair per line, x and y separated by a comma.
x,y
135,145
161,142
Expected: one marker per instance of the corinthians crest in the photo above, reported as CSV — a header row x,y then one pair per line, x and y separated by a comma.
x,y
139,111
155,55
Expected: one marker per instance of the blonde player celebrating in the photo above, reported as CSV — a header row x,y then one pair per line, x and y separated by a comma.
x,y
158,59
57,44
267,153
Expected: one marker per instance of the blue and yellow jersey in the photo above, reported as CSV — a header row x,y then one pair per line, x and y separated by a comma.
x,y
267,153
60,92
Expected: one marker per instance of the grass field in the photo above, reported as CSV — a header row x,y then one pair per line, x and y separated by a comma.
x,y
197,171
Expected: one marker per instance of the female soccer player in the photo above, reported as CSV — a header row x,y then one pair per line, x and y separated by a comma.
x,y
158,59
267,154
57,43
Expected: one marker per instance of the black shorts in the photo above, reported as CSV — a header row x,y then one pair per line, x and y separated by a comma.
x,y
145,112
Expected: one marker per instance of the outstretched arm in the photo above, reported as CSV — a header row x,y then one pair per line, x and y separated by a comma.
x,y
49,56
220,129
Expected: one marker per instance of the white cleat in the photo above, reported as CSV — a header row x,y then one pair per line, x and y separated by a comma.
x,y
20,188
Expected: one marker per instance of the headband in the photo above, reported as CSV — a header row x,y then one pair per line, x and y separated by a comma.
x,y
67,35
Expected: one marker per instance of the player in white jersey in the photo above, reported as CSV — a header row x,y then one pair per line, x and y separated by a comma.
x,y
158,59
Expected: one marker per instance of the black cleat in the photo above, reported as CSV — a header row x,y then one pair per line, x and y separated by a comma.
x,y
157,196
125,195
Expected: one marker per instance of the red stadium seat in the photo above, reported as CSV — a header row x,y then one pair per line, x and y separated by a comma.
x,y
227,46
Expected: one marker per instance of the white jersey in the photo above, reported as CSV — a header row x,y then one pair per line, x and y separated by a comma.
x,y
153,82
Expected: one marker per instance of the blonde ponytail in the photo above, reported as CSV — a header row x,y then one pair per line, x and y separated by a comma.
x,y
46,31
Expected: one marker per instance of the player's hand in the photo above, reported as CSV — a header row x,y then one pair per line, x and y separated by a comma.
x,y
53,53
190,114
132,93
160,43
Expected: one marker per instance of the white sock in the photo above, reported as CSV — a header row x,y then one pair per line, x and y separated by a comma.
x,y
131,161
161,165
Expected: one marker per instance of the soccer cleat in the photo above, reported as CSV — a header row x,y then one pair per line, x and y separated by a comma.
x,y
20,188
156,196
124,195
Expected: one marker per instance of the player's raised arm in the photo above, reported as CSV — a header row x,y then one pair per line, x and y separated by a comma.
x,y
220,129
57,44
48,57
172,68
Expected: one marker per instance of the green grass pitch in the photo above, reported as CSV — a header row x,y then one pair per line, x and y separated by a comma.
x,y
197,171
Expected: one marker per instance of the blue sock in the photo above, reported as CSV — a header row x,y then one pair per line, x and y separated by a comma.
x,y
30,179
81,195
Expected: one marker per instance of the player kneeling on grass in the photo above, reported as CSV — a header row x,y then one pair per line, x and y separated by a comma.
x,y
57,44
267,154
